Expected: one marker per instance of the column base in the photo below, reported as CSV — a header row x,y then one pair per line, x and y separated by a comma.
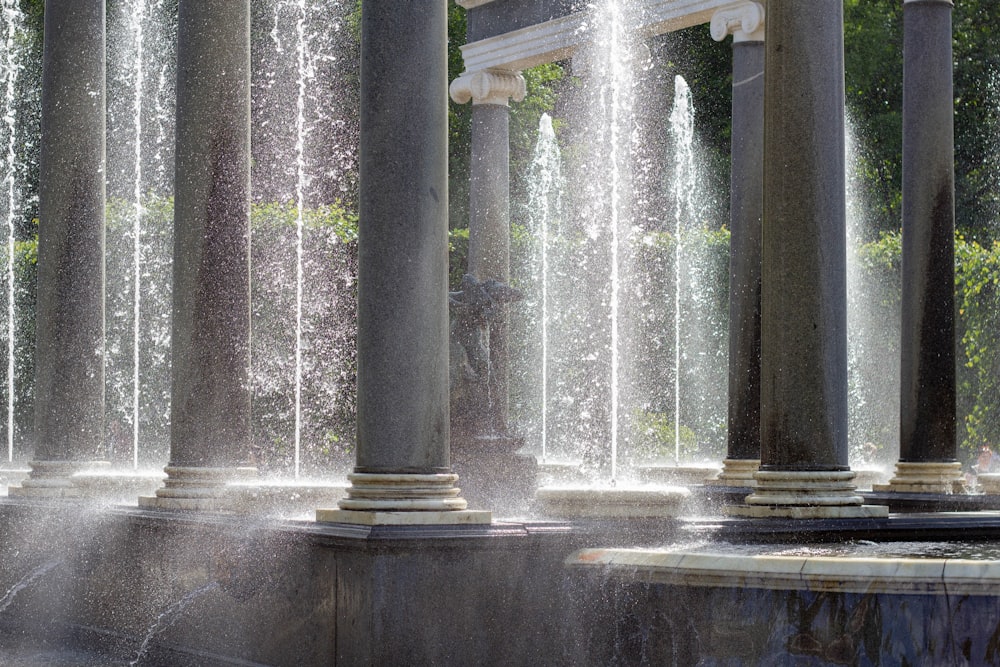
x,y
391,498
736,472
196,488
925,477
422,518
54,479
989,483
806,494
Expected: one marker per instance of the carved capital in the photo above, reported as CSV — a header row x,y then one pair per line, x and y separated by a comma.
x,y
488,86
744,21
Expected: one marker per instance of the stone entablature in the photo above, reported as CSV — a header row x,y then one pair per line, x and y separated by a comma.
x,y
559,38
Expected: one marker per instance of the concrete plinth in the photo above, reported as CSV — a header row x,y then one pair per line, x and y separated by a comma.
x,y
620,503
925,477
804,494
736,472
197,488
115,486
54,479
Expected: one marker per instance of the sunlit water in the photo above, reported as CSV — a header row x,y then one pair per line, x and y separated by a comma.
x,y
11,65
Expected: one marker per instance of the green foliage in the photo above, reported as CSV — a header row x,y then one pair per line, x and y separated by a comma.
x,y
977,277
655,439
458,256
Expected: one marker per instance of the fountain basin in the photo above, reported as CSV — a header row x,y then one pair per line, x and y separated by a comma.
x,y
853,604
683,474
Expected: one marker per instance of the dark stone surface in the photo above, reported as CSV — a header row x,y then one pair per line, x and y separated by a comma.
x,y
927,385
69,316
300,593
804,253
210,336
287,593
501,16
634,622
403,421
746,210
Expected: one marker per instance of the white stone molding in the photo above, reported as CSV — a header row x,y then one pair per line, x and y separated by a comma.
x,y
402,492
744,21
469,4
736,472
488,86
53,479
403,499
925,477
197,488
806,494
559,38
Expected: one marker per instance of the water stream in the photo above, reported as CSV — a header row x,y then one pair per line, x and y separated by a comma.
x,y
12,25
545,210
26,581
169,616
684,187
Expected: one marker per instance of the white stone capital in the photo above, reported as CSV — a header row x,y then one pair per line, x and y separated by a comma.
x,y
488,86
745,21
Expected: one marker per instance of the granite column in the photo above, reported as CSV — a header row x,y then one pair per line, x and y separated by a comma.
x,y
69,325
489,211
804,470
927,437
403,469
210,336
746,23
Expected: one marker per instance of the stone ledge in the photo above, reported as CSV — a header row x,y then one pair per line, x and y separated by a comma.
x,y
809,511
842,574
416,518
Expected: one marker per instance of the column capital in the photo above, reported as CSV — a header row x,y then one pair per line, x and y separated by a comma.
x,y
488,86
745,21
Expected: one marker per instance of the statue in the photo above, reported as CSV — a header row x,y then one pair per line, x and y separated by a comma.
x,y
477,309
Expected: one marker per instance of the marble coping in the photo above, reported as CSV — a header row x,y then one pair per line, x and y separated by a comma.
x,y
559,38
840,574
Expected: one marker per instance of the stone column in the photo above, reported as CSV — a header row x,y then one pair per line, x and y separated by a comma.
x,y
746,23
69,359
489,210
403,472
210,336
927,439
804,471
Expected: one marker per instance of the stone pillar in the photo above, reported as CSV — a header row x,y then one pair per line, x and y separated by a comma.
x,y
489,210
69,359
746,23
403,472
210,336
804,471
927,439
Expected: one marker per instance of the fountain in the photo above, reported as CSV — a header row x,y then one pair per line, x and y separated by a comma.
x,y
802,568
